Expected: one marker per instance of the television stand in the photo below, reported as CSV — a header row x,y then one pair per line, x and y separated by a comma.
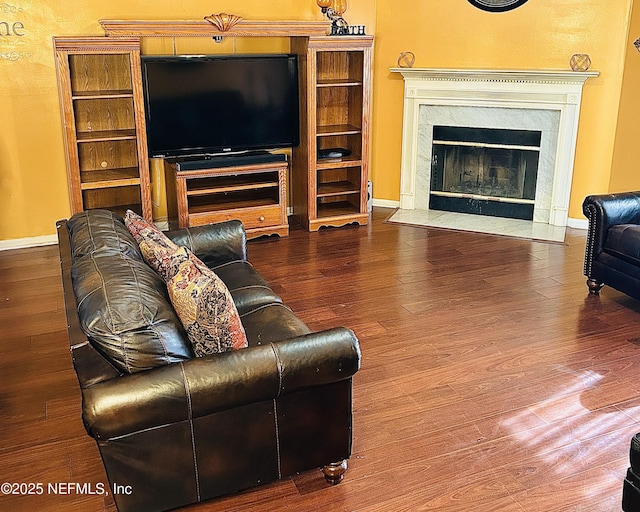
x,y
255,194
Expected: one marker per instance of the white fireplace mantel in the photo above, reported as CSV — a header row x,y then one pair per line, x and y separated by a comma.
x,y
515,92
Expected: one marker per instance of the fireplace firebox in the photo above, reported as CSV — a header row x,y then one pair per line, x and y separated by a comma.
x,y
484,171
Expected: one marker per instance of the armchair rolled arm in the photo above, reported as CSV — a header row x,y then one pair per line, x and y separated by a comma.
x,y
202,386
214,244
604,211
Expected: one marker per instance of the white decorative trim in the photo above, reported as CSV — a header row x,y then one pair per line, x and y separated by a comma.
x,y
23,243
506,91
544,76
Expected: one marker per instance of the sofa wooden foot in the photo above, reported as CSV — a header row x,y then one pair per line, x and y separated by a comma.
x,y
333,473
594,286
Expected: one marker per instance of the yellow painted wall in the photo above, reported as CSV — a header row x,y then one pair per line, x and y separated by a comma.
x,y
33,181
625,171
442,33
540,34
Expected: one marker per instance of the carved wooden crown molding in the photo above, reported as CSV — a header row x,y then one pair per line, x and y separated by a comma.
x,y
214,25
75,44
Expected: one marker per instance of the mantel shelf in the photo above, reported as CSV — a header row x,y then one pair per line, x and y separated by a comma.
x,y
547,76
202,28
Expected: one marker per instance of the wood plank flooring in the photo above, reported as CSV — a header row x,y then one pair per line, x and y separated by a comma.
x,y
490,379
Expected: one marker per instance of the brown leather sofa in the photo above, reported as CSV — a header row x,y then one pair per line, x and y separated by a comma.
x,y
173,429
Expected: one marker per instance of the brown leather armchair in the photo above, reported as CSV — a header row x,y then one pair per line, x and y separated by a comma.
x,y
175,433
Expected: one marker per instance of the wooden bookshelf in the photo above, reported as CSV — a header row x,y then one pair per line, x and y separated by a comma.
x,y
336,74
103,116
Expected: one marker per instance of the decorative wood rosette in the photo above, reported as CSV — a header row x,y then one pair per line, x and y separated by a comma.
x,y
497,5
223,21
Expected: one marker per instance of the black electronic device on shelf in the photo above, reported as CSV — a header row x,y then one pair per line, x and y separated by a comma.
x,y
333,153
228,160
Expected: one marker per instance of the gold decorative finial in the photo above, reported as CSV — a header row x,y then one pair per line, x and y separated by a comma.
x,y
223,21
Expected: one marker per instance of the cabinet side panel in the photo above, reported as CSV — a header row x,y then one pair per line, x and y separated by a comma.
x,y
141,133
301,157
69,131
366,123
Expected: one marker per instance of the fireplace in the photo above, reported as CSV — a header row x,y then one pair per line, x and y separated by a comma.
x,y
497,143
485,171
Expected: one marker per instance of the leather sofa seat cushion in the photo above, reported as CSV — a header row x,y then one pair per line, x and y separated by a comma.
x,y
272,323
623,241
248,289
124,311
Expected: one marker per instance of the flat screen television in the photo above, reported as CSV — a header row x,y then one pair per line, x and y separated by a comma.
x,y
206,105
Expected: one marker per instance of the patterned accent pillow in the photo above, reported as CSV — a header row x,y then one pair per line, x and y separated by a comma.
x,y
200,298
204,305
155,247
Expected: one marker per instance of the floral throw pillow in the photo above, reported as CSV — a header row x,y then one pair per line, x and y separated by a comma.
x,y
155,247
200,298
204,305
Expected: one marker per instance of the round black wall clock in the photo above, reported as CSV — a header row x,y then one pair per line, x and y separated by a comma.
x,y
497,5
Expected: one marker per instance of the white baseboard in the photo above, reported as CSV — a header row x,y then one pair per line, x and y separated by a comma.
x,y
385,203
32,241
578,223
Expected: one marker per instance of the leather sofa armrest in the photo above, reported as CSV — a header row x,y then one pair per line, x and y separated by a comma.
x,y
214,244
604,211
202,386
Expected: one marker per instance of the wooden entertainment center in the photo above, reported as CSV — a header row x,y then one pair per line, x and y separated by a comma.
x,y
102,102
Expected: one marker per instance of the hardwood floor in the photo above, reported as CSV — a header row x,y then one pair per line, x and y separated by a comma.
x,y
490,379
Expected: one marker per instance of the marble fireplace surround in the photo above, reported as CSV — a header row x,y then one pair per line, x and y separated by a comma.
x,y
544,100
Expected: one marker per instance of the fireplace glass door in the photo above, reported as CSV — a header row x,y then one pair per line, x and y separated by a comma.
x,y
484,171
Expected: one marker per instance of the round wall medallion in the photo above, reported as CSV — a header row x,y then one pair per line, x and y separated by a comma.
x,y
497,5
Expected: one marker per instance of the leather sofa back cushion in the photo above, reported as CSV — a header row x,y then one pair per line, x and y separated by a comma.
x,y
122,303
95,231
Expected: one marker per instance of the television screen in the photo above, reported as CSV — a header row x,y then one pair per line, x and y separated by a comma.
x,y
200,105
